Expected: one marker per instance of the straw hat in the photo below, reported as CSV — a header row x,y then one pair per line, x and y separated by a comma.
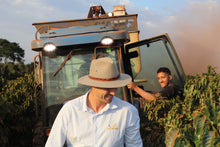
x,y
104,74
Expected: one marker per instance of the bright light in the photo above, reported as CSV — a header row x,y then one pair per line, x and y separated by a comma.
x,y
110,14
107,41
49,47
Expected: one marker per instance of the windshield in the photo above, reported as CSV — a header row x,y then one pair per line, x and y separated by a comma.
x,y
64,85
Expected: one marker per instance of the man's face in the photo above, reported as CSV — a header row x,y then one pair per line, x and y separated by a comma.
x,y
105,95
163,79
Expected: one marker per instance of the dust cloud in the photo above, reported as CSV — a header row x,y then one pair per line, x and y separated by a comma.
x,y
196,37
194,31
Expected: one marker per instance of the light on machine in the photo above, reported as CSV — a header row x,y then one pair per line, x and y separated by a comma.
x,y
107,41
110,14
49,47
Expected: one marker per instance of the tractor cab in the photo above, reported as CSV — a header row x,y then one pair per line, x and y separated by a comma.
x,y
67,47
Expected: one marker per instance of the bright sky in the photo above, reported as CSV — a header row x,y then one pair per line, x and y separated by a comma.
x,y
193,25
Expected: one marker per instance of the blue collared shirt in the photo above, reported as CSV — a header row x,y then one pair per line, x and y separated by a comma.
x,y
116,124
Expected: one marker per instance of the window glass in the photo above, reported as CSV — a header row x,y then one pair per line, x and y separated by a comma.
x,y
64,85
156,54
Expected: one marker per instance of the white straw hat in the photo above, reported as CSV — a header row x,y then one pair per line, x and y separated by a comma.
x,y
104,74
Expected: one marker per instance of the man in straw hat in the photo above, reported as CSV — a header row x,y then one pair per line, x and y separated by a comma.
x,y
98,118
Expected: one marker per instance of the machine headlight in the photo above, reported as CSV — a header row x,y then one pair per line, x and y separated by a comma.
x,y
50,50
107,41
49,47
110,14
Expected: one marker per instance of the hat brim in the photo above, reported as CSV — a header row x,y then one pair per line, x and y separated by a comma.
x,y
123,80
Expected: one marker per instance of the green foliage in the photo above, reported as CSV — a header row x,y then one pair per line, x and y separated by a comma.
x,y
171,136
152,129
11,71
206,124
17,113
10,51
194,121
11,62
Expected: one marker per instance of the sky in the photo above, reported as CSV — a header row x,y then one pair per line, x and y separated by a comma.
x,y
193,25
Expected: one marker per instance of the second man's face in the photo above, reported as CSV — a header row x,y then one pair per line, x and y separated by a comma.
x,y
163,79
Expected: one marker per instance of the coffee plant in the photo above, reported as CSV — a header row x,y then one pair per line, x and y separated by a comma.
x,y
17,112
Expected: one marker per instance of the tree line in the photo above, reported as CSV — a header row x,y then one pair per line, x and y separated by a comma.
x,y
12,62
17,113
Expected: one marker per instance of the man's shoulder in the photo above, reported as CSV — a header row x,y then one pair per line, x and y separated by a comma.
x,y
171,86
176,88
75,103
171,90
75,100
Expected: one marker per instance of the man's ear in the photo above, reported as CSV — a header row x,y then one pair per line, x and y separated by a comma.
x,y
170,77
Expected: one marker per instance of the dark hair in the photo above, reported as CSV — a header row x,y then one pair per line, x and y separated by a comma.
x,y
164,69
